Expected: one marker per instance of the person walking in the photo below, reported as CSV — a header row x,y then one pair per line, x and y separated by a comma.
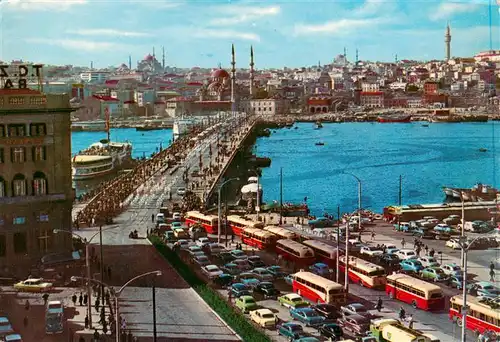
x,y
96,304
73,299
379,304
373,235
27,305
403,242
426,250
86,321
45,298
152,218
492,274
85,299
80,299
96,335
402,313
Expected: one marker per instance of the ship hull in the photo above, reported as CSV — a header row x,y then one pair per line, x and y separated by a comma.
x,y
404,119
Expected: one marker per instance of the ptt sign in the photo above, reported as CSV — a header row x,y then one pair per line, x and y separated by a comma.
x,y
16,76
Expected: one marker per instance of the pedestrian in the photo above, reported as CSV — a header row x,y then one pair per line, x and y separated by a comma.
x,y
426,250
27,305
104,327
410,321
492,266
73,299
45,298
85,299
96,335
152,218
492,275
403,242
418,250
80,299
96,304
432,252
25,321
373,235
402,314
107,297
379,304
86,321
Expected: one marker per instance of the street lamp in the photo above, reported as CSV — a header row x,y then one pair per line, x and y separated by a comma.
x,y
462,241
87,263
219,208
347,233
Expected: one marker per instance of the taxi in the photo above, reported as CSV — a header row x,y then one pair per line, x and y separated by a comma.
x,y
33,285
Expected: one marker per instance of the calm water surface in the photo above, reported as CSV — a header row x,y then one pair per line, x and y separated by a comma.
x,y
426,157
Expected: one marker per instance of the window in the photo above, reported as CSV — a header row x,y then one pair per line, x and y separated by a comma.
x,y
3,192
18,154
43,218
38,129
39,184
19,220
19,185
44,240
2,158
20,243
16,100
17,130
39,153
2,131
3,246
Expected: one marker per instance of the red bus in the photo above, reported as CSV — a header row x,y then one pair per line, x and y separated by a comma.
x,y
364,273
209,222
480,317
238,223
420,294
324,252
295,251
318,289
281,233
258,238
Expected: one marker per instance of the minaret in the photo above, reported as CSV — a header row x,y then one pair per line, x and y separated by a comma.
x,y
251,71
357,56
129,62
233,74
447,40
396,58
154,56
163,58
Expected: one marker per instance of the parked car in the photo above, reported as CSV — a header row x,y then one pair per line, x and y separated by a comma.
x,y
355,309
321,222
242,264
424,233
442,228
411,265
484,289
176,216
249,279
33,285
245,303
264,317
276,271
224,257
211,271
267,290
452,219
240,289
391,250
5,326
238,254
402,226
13,338
456,281
182,243
231,269
320,268
288,279
262,274
388,260
292,300
356,324
291,331
224,280
438,235
428,261
194,249
201,260
202,242
434,274
332,331
328,311
214,249
452,269
308,316
255,261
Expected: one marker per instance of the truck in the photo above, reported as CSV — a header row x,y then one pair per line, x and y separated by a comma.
x,y
391,330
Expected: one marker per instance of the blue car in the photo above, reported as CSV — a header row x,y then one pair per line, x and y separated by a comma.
x,y
5,326
276,271
291,331
249,279
321,222
239,290
308,316
288,279
320,269
411,265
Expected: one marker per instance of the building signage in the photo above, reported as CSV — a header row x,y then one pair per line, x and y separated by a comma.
x,y
16,76
23,141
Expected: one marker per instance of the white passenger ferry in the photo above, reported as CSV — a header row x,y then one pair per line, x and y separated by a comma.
x,y
100,159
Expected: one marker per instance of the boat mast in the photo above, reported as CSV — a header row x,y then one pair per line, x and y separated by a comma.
x,y
106,114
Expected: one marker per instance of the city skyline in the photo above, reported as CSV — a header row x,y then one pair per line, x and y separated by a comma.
x,y
200,33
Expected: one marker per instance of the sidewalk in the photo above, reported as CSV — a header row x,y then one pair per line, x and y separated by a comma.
x,y
81,313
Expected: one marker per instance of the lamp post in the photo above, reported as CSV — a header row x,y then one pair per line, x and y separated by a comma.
x,y
219,218
462,241
87,263
347,233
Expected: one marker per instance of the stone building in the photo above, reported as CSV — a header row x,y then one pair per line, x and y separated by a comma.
x,y
35,176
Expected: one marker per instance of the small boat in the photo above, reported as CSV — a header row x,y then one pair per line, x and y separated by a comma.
x,y
318,125
319,143
425,125
296,127
482,149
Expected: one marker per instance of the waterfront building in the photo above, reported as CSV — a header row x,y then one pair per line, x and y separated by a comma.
x,y
94,76
372,99
35,176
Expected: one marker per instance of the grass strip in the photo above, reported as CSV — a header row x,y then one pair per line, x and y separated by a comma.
x,y
235,319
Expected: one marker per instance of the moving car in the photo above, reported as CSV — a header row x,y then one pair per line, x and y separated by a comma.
x,y
33,285
331,330
355,309
292,300
291,331
320,269
13,338
371,251
267,289
308,316
405,254
211,271
433,273
388,260
245,303
264,317
356,324
328,311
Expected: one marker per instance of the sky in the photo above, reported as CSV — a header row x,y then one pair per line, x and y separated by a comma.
x,y
290,33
